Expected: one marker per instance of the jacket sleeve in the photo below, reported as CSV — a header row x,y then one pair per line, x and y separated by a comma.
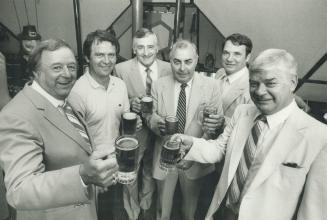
x,y
29,185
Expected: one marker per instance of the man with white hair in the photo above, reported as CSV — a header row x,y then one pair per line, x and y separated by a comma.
x,y
275,153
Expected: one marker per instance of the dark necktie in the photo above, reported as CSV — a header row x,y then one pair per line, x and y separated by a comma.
x,y
247,158
148,81
181,109
67,109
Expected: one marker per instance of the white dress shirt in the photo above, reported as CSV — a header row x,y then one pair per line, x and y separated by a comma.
x,y
153,74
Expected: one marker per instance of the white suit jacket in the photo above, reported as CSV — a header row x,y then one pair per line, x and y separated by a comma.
x,y
275,191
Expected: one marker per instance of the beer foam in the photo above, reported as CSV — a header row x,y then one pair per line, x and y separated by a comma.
x,y
129,115
147,99
172,145
171,119
127,143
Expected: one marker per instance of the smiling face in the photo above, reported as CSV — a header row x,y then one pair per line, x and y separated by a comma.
x,y
146,49
102,59
234,57
56,72
272,88
183,62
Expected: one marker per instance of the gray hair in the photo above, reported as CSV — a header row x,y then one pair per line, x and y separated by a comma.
x,y
182,44
276,58
143,32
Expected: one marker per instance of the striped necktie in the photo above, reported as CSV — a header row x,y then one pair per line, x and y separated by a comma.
x,y
247,158
181,109
71,116
148,81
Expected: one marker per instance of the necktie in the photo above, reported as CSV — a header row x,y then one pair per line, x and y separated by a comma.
x,y
247,158
148,81
181,109
225,83
67,109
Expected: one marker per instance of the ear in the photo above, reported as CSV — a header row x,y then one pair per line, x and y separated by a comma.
x,y
294,81
248,57
36,74
86,59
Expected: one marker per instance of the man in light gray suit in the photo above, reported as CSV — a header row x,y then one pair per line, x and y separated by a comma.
x,y
184,95
45,150
138,74
274,152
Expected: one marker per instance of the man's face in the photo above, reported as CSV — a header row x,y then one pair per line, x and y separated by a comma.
x,y
57,72
183,63
102,58
272,89
146,49
234,57
29,45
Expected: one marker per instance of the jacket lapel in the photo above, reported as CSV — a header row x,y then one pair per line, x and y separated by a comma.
x,y
56,118
136,78
235,91
194,99
168,95
287,139
243,130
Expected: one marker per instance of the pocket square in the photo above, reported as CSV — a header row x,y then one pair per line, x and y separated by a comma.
x,y
293,165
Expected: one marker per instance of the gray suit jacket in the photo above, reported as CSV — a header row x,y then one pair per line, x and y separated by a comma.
x,y
128,71
204,91
40,152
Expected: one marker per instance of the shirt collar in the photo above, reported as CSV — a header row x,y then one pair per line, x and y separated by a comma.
x,y
235,76
189,83
93,82
280,116
55,102
153,66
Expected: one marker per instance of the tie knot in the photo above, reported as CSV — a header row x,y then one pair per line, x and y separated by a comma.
x,y
148,70
262,118
183,85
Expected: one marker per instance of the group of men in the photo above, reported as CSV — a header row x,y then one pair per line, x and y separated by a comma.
x,y
57,135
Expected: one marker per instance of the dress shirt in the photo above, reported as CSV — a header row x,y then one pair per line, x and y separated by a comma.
x,y
100,107
187,93
153,74
232,78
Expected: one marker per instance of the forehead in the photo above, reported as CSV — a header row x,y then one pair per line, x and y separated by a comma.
x,y
229,46
62,55
269,72
98,46
147,40
184,53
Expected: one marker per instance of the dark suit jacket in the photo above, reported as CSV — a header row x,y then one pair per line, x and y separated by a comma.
x,y
40,152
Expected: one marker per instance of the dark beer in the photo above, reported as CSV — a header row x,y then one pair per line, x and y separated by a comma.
x,y
129,121
146,104
169,155
171,125
207,111
126,155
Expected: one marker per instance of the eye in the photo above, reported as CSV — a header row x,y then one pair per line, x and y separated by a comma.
x,y
188,62
57,68
271,84
112,55
254,85
176,62
72,67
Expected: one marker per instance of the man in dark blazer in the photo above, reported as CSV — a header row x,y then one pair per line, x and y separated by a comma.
x,y
46,153
133,72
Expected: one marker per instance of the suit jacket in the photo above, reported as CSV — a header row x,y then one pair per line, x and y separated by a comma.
x,y
128,71
40,152
275,191
237,94
204,90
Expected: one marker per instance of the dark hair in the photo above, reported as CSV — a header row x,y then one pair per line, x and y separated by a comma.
x,y
50,45
240,39
100,36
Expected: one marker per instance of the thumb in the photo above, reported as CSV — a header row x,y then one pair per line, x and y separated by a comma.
x,y
99,154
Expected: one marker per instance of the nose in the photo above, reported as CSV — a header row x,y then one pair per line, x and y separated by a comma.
x,y
261,90
182,66
229,57
146,51
66,72
106,59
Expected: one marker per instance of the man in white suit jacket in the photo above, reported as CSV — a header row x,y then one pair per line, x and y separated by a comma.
x,y
285,179
200,91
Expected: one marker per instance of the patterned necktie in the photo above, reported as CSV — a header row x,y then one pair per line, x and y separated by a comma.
x,y
247,158
148,81
181,109
67,109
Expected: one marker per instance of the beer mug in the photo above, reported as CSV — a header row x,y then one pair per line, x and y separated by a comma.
x,y
146,104
127,148
171,125
129,123
169,155
210,110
